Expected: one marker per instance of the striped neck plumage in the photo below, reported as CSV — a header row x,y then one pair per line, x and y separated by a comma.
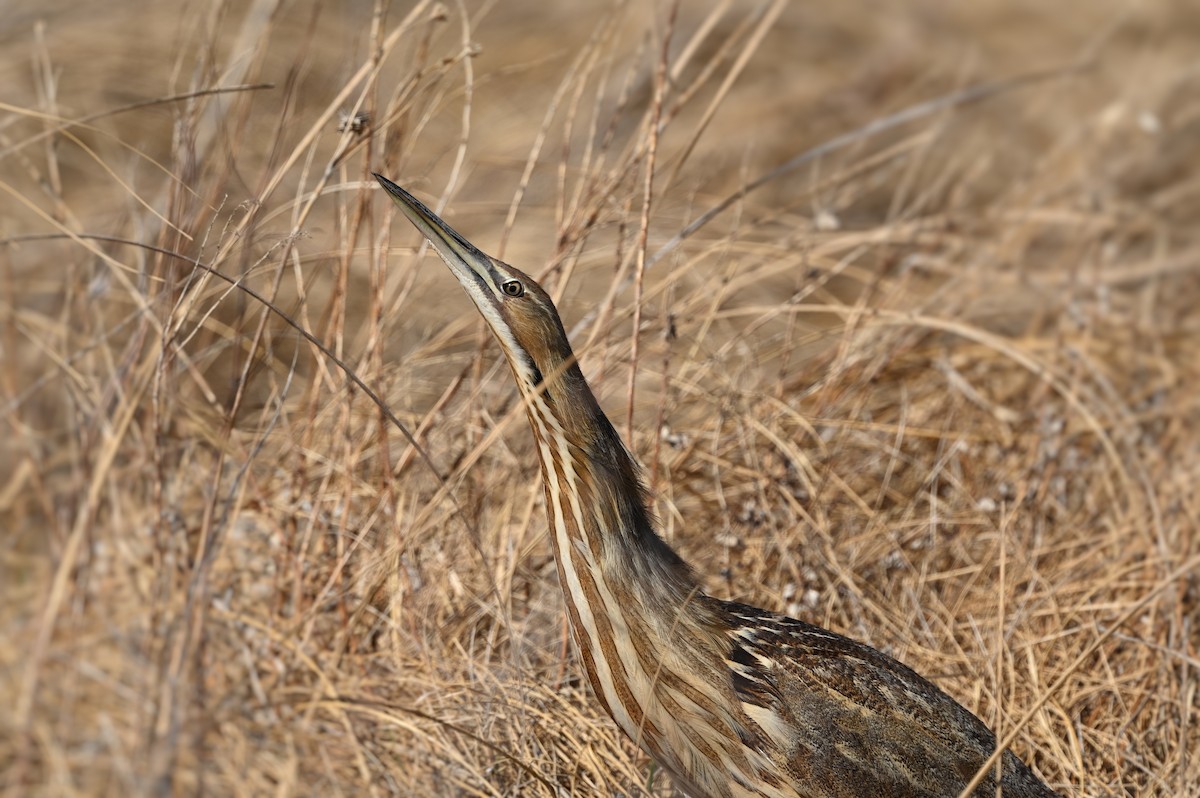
x,y
594,494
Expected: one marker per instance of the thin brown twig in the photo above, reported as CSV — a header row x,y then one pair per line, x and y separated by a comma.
x,y
660,89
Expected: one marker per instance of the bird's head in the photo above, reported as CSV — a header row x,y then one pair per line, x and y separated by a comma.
x,y
517,309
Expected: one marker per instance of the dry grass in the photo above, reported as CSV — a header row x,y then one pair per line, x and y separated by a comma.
x,y
936,389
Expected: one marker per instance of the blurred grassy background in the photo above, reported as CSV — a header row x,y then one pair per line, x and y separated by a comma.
x,y
934,389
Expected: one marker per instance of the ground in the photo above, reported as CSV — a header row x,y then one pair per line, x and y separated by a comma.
x,y
909,293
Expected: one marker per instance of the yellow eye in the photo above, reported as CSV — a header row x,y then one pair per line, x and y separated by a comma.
x,y
513,288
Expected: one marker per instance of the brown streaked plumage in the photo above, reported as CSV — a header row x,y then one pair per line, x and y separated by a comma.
x,y
732,700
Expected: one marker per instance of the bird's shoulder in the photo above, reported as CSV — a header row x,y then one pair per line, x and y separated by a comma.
x,y
838,709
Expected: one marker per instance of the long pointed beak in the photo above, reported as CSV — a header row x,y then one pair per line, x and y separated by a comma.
x,y
470,265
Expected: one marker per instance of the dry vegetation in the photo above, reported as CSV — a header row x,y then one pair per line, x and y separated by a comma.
x,y
935,389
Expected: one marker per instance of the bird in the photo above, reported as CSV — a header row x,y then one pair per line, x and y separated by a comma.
x,y
731,700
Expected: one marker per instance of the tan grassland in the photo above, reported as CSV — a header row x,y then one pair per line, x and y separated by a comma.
x,y
935,386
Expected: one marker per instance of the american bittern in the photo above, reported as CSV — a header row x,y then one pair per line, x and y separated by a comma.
x,y
730,699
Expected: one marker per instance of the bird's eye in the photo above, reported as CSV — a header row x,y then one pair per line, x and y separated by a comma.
x,y
513,288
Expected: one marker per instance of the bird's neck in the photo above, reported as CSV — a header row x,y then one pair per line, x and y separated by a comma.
x,y
633,604
595,497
